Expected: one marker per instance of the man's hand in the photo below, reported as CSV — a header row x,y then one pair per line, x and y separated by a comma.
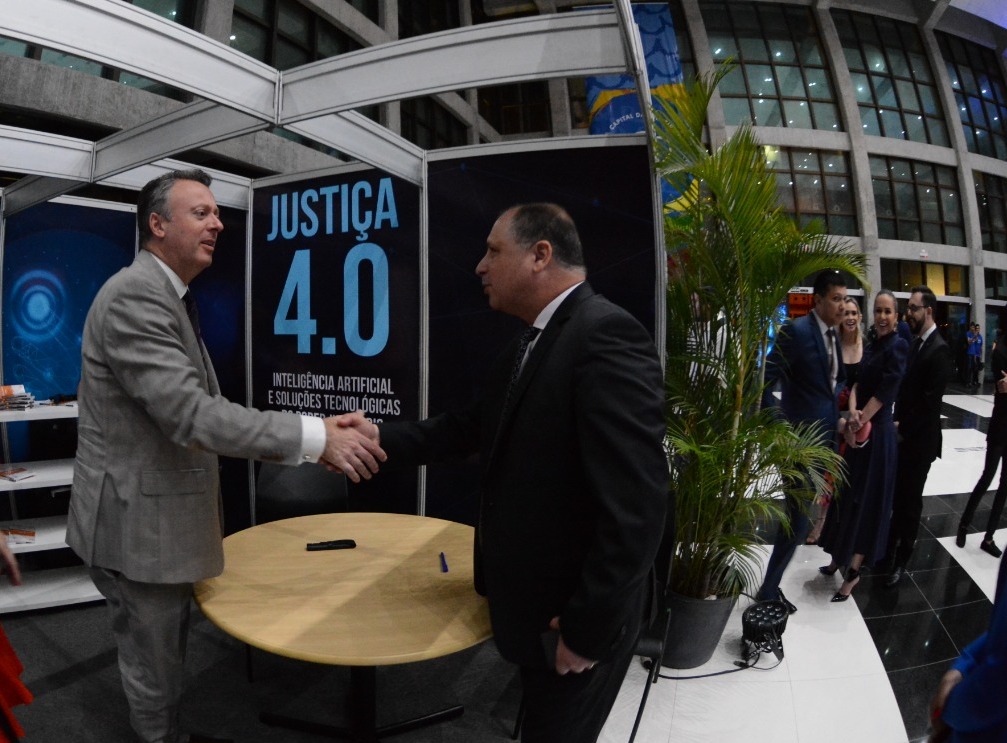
x,y
351,446
1002,382
568,661
949,681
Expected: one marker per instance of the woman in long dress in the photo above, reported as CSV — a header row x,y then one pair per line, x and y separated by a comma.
x,y
856,528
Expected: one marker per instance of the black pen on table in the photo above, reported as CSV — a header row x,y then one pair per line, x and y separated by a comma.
x,y
444,563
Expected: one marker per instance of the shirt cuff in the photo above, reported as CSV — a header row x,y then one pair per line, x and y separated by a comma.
x,y
312,438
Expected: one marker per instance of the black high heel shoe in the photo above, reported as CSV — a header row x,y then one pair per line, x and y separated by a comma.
x,y
852,577
828,569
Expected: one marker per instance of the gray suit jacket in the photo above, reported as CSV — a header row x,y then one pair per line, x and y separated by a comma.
x,y
146,491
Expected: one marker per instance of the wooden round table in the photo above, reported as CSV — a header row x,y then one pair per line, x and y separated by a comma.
x,y
386,601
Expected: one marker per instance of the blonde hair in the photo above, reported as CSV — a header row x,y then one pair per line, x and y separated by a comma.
x,y
842,326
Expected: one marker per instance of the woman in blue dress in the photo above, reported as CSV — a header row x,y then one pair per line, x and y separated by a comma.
x,y
856,528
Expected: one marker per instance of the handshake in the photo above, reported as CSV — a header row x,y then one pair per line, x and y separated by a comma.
x,y
352,446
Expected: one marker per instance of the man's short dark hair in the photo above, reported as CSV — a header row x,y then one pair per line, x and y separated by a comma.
x,y
153,197
826,280
542,221
929,298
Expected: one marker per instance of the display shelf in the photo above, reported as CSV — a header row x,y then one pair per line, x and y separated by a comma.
x,y
50,533
46,473
39,413
46,588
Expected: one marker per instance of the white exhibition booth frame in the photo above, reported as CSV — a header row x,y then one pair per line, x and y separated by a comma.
x,y
239,95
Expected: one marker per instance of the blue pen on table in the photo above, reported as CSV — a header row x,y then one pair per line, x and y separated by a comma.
x,y
444,563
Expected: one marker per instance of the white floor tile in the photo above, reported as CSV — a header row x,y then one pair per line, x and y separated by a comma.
x,y
858,708
978,404
960,464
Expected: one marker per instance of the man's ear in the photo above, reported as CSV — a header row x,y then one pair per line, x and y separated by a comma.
x,y
156,224
542,251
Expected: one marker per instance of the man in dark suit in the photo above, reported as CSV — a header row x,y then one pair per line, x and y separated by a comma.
x,y
918,416
574,481
145,508
808,362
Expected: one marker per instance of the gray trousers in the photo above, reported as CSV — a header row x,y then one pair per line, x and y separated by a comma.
x,y
150,622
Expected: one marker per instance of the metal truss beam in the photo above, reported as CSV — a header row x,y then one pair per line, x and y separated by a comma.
x,y
533,48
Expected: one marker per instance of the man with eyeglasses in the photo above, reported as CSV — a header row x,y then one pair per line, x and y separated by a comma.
x,y
918,417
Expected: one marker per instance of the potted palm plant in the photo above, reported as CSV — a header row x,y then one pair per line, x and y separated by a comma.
x,y
734,256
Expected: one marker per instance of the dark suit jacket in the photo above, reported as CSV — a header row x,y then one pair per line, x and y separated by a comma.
x,y
574,480
800,362
918,406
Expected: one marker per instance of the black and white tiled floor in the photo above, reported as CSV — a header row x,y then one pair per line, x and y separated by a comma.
x,y
863,670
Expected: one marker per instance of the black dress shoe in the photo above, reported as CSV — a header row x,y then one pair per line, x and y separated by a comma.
x,y
791,609
989,547
894,577
960,539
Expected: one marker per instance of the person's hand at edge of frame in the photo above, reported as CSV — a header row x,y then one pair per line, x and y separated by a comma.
x,y
10,566
939,731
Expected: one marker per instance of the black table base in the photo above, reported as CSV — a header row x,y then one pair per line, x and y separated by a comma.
x,y
363,714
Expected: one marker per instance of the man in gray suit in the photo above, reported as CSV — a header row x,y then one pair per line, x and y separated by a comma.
x,y
145,512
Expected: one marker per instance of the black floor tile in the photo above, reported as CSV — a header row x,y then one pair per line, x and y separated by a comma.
x,y
982,517
929,554
966,622
934,505
948,586
941,525
874,600
910,640
913,689
956,501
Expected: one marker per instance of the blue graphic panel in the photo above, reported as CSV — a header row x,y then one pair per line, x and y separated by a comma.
x,y
56,257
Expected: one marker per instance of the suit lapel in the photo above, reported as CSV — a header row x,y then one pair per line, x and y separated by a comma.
x,y
823,352
201,359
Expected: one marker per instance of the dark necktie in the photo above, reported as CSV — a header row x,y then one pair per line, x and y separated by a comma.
x,y
917,345
830,341
192,311
527,337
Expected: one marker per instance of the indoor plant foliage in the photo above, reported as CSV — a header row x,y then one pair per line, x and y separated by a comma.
x,y
736,256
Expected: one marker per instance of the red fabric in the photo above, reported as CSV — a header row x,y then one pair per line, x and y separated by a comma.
x,y
12,691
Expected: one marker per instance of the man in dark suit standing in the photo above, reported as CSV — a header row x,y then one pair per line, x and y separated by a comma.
x,y
574,481
808,362
918,416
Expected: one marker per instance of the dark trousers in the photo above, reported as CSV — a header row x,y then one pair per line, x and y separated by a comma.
x,y
907,505
783,548
571,708
995,454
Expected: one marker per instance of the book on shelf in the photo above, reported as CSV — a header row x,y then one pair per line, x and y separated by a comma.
x,y
6,390
18,534
17,402
16,474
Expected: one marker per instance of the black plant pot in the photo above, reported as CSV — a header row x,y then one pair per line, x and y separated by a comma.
x,y
695,629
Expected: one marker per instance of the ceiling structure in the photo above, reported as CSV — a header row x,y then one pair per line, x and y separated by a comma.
x,y
238,95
